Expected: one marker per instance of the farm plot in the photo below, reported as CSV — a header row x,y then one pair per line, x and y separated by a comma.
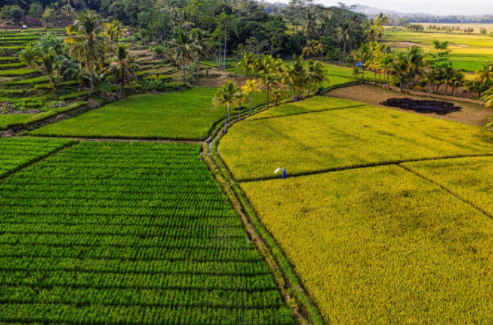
x,y
471,179
128,233
344,138
381,245
183,115
16,153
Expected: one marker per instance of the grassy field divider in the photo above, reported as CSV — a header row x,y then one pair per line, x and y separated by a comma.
x,y
328,89
369,165
36,160
321,110
445,188
287,280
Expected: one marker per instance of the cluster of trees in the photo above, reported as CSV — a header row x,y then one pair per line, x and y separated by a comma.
x,y
87,55
275,76
453,19
411,69
230,25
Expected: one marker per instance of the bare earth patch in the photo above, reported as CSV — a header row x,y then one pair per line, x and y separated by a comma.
x,y
473,114
439,107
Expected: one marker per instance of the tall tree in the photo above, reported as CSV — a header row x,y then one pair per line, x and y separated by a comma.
x,y
184,47
124,66
86,41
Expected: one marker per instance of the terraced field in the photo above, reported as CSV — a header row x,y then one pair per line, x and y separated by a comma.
x,y
129,233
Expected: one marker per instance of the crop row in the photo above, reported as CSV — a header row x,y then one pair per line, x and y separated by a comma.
x,y
170,221
189,212
140,297
100,314
131,253
98,189
122,230
125,266
124,241
80,279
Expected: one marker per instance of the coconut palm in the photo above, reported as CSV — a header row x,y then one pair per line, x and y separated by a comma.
x,y
485,72
431,76
276,95
343,32
247,63
184,47
312,48
270,82
114,31
86,41
48,64
362,55
488,98
469,87
448,76
123,65
415,64
226,96
251,86
202,42
315,74
457,81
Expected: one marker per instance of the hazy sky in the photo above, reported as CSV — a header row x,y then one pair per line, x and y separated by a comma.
x,y
436,7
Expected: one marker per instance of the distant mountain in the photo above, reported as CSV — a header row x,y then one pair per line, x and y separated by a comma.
x,y
430,8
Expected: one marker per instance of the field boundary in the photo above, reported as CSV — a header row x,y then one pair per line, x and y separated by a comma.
x,y
445,188
34,162
286,278
317,111
336,169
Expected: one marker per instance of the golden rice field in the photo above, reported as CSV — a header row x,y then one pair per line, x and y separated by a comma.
x,y
344,138
471,179
314,104
381,245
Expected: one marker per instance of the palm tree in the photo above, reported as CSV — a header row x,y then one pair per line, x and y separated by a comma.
x,y
431,76
227,96
457,81
469,86
448,76
488,98
114,31
315,74
251,86
485,72
184,47
247,63
86,41
47,64
362,55
276,95
312,48
415,64
399,67
123,65
343,33
270,82
202,42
